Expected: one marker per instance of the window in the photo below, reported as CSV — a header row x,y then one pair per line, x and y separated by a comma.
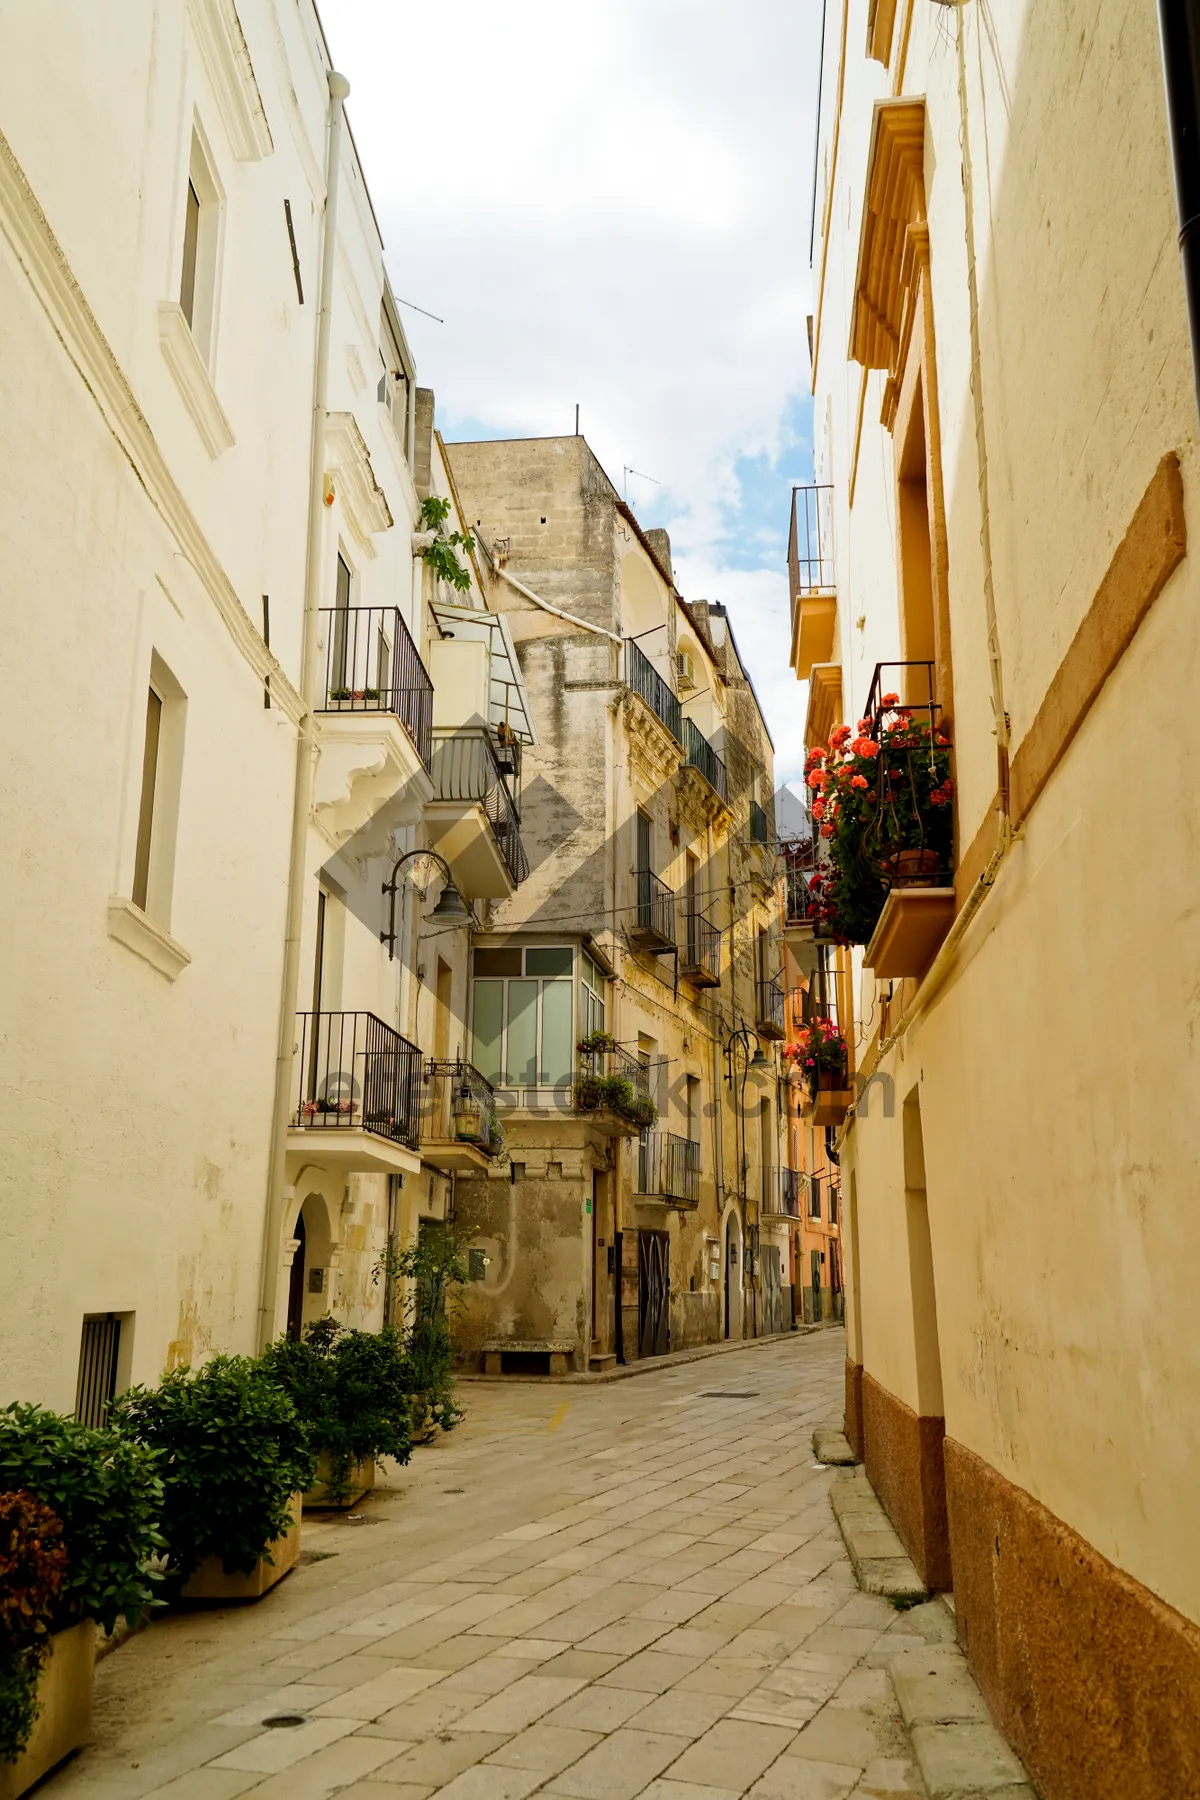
x,y
814,1196
153,738
522,1013
198,266
691,1100
592,989
158,802
645,840
99,1357
393,383
339,650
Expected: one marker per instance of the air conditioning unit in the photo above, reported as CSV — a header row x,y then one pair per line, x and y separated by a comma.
x,y
685,669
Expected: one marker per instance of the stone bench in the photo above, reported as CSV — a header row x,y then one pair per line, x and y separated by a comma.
x,y
559,1350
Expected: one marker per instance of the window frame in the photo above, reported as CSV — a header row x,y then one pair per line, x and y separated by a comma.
x,y
500,1076
202,180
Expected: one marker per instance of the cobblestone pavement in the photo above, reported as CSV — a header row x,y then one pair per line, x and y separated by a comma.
x,y
601,1593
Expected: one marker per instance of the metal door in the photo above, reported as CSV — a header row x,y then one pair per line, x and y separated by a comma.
x,y
772,1284
654,1293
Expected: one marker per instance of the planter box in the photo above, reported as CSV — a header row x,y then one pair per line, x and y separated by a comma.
x,y
360,1477
831,1105
910,931
65,1719
210,1582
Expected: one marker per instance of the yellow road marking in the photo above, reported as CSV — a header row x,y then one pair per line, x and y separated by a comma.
x,y
558,1415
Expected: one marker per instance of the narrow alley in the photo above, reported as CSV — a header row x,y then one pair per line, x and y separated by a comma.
x,y
607,1591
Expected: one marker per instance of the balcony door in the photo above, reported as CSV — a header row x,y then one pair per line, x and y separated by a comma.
x,y
339,655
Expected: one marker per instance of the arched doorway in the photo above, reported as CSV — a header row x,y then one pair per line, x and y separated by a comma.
x,y
733,1275
295,1306
310,1279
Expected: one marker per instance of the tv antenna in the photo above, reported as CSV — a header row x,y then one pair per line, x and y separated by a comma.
x,y
640,476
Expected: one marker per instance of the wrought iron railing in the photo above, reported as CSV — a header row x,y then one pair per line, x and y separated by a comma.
x,y
913,684
668,1168
781,1192
458,1105
810,542
611,1078
655,915
353,1072
799,864
465,766
372,665
758,823
645,681
769,1011
698,753
701,956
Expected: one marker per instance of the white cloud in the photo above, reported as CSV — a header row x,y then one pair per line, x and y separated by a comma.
x,y
609,205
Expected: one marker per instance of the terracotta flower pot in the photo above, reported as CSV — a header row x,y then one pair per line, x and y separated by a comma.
x,y
914,866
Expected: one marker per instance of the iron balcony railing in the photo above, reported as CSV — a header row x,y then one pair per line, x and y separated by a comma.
x,y
372,665
654,920
466,766
810,541
781,1193
645,681
668,1168
353,1072
701,957
458,1105
698,753
612,1079
769,1010
799,864
758,823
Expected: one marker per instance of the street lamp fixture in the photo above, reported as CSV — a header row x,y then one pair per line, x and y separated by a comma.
x,y
451,908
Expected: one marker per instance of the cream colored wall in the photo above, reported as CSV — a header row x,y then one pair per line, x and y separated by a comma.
x,y
1057,1070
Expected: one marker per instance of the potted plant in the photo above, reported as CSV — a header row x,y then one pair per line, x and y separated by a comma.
x,y
822,1057
353,1392
435,1269
105,1497
883,804
235,1458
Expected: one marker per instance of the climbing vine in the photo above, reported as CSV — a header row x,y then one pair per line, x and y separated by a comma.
x,y
441,555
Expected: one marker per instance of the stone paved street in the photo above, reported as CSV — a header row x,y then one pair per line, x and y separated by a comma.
x,y
588,1592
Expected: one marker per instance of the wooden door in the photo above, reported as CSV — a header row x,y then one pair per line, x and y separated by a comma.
x,y
772,1281
654,1293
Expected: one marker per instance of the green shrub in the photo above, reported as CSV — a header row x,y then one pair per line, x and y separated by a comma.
x,y
107,1494
232,1451
33,1563
352,1389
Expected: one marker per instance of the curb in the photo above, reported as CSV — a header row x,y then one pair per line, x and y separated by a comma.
x,y
646,1365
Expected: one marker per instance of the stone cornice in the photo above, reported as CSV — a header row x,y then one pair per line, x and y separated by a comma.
x,y
226,58
37,250
363,500
894,201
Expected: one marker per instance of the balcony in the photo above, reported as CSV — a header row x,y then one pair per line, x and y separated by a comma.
x,y
700,954
644,680
781,1193
653,926
375,720
356,1095
612,1086
811,580
473,818
668,1169
919,908
460,1129
699,754
769,1011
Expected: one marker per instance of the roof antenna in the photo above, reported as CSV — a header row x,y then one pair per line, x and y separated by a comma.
x,y
577,418
640,476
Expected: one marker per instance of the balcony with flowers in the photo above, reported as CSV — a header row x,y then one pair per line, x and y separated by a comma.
x,y
820,1056
883,804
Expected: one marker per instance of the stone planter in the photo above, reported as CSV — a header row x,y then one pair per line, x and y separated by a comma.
x,y
210,1582
65,1719
830,1100
360,1478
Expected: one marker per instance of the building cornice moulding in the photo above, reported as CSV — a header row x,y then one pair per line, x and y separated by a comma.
x,y
893,202
192,379
349,464
226,58
130,926
37,250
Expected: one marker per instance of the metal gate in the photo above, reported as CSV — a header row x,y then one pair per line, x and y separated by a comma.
x,y
772,1287
98,1355
654,1293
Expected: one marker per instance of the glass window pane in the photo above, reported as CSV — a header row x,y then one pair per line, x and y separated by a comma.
x,y
557,1048
553,961
521,1060
488,1016
497,962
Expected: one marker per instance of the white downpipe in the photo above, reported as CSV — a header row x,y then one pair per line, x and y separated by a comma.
x,y
571,618
306,747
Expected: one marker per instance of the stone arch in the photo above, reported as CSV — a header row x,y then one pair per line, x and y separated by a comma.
x,y
733,1253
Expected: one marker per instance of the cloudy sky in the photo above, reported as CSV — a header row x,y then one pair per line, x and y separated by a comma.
x,y
610,205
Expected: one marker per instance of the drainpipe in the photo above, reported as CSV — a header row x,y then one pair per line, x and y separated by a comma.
x,y
1179,29
555,611
306,746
